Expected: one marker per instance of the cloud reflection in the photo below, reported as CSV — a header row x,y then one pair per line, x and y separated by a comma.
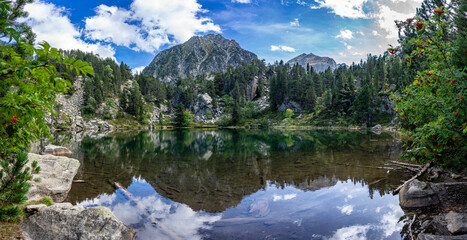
x,y
177,217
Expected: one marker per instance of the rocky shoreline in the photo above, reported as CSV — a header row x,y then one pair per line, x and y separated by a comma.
x,y
63,220
438,210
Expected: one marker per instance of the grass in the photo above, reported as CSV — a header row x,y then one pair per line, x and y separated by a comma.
x,y
10,230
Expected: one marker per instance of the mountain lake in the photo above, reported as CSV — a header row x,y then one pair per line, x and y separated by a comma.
x,y
241,183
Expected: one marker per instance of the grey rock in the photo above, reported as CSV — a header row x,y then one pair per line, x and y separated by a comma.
x,y
56,176
319,64
65,221
424,236
55,150
290,105
199,55
377,128
416,195
31,209
457,222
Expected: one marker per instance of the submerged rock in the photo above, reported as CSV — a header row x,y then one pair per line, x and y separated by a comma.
x,y
65,221
55,150
416,195
56,177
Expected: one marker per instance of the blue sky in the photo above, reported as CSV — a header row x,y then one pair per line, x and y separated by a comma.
x,y
134,31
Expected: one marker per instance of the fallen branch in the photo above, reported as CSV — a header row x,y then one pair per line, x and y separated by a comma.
x,y
420,173
406,164
410,226
377,181
142,209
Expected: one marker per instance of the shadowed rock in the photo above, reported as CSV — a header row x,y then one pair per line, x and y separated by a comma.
x,y
417,194
65,221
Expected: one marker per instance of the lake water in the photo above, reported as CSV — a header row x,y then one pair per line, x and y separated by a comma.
x,y
242,184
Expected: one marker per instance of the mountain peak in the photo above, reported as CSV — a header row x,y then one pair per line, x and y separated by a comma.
x,y
318,63
199,55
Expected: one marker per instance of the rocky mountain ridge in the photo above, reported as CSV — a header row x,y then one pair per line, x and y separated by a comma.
x,y
319,64
199,55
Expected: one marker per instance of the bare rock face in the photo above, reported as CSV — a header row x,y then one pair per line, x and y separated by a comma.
x,y
319,64
416,195
199,55
55,150
65,221
56,176
457,222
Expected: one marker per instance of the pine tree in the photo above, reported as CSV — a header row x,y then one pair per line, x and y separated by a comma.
x,y
460,20
179,115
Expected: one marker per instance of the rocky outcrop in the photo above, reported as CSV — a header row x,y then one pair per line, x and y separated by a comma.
x,y
56,177
204,111
417,195
291,105
55,150
319,64
199,55
65,221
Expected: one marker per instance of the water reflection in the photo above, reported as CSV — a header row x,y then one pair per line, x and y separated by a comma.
x,y
243,184
275,212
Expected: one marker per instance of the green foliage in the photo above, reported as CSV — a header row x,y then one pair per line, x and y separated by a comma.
x,y
288,113
28,87
183,117
433,108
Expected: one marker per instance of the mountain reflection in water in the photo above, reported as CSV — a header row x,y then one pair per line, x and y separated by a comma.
x,y
243,184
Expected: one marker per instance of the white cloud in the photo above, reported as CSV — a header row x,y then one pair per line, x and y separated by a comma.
x,y
51,24
137,69
284,197
345,34
375,33
153,24
242,1
357,232
345,8
295,23
346,209
386,17
349,47
282,48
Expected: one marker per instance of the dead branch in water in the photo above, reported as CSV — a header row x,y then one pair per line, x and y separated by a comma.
x,y
420,173
143,210
377,181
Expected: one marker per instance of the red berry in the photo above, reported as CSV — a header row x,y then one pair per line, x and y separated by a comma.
x,y
460,96
392,99
428,73
421,47
419,25
418,84
433,136
13,119
409,21
453,81
457,114
399,100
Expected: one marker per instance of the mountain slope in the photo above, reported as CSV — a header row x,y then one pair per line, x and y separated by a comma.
x,y
320,64
199,55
